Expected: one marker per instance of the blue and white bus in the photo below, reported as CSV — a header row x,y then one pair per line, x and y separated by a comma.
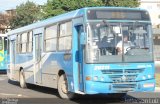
x,y
77,52
3,52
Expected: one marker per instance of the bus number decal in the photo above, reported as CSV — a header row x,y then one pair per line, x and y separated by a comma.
x,y
101,67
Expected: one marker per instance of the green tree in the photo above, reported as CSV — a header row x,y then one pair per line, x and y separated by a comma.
x,y
56,7
121,3
26,13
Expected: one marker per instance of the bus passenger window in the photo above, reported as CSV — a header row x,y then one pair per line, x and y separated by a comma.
x,y
24,42
30,41
51,38
18,45
65,38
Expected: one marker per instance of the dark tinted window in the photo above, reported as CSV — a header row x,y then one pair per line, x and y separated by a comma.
x,y
117,14
5,43
8,47
1,43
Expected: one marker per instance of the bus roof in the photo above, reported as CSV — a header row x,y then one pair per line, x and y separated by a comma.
x,y
46,22
62,17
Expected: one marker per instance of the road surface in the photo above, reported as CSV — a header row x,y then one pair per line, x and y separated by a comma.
x,y
11,93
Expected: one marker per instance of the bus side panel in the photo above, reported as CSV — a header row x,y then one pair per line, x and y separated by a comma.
x,y
50,69
52,62
25,61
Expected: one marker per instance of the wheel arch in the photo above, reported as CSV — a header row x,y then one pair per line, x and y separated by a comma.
x,y
60,72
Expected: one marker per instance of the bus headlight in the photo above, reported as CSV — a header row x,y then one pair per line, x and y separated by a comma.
x,y
102,78
95,78
144,77
146,85
149,76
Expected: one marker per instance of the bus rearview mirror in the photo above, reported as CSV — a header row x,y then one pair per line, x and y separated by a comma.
x,y
83,38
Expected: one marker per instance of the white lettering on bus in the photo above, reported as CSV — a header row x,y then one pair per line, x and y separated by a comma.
x,y
101,67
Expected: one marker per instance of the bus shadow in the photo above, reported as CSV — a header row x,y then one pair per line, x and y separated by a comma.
x,y
96,99
42,89
37,88
81,99
13,82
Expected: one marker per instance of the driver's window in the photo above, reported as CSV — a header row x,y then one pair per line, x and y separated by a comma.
x,y
141,37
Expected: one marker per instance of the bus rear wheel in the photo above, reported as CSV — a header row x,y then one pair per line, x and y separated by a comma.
x,y
22,80
63,88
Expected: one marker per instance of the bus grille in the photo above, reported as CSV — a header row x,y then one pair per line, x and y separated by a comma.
x,y
123,75
124,87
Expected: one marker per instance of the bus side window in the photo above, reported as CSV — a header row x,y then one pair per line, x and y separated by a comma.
x,y
65,37
51,38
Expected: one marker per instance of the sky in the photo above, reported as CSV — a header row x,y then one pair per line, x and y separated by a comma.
x,y
11,4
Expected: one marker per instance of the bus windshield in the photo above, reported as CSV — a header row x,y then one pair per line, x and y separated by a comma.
x,y
119,42
1,43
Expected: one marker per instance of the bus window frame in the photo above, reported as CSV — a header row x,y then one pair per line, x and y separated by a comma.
x,y
44,38
28,41
22,42
63,22
19,43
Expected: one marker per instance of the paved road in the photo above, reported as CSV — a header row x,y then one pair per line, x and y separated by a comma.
x,y
11,92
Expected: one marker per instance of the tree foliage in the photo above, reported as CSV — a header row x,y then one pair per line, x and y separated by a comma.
x,y
121,3
29,12
56,7
26,13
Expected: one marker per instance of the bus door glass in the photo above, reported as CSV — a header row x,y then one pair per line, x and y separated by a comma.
x,y
38,49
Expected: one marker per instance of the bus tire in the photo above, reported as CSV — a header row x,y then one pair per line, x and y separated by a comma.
x,y
63,88
22,80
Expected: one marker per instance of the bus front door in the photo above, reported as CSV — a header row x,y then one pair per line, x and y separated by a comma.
x,y
81,54
12,61
38,49
79,48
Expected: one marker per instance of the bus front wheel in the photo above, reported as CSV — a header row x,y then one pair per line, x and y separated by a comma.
x,y
22,80
63,88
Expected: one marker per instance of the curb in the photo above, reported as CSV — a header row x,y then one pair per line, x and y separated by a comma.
x,y
157,89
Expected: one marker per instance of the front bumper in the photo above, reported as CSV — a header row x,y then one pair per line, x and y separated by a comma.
x,y
93,87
